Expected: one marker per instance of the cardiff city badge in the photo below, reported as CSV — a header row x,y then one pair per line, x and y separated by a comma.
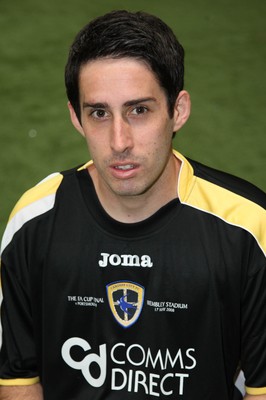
x,y
126,301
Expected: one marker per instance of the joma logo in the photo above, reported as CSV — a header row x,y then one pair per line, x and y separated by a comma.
x,y
125,260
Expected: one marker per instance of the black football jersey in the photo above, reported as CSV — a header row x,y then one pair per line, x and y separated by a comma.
x,y
167,307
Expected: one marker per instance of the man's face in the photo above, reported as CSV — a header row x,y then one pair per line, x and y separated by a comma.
x,y
125,120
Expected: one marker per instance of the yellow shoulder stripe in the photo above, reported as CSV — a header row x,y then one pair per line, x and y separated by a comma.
x,y
229,206
33,203
226,205
43,189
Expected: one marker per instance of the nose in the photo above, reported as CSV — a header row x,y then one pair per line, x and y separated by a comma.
x,y
121,135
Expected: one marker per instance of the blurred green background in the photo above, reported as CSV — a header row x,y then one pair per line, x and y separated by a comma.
x,y
225,43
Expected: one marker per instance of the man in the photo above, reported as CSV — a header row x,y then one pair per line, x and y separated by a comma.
x,y
140,274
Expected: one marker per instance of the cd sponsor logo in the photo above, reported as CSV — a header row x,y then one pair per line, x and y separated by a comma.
x,y
132,368
84,364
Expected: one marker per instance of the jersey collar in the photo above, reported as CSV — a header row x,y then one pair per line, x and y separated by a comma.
x,y
186,177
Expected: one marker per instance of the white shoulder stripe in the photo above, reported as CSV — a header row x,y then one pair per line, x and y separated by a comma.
x,y
27,213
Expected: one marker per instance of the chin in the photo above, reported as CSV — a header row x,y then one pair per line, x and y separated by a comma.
x,y
128,191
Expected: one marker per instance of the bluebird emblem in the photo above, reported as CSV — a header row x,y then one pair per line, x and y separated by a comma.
x,y
126,300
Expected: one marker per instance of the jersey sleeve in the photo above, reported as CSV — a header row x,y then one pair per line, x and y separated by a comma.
x,y
18,359
18,365
254,324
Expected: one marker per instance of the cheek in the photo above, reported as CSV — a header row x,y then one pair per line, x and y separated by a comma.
x,y
158,134
95,142
163,137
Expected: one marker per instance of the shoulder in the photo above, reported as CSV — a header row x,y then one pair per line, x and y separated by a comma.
x,y
227,197
35,202
229,183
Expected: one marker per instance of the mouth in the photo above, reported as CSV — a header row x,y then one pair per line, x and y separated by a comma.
x,y
125,170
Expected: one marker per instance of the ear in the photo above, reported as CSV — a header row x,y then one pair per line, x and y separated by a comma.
x,y
181,110
74,119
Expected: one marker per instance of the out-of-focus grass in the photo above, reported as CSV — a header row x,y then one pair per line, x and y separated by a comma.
x,y
225,74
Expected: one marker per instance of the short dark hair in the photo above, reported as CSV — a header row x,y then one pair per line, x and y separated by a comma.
x,y
120,34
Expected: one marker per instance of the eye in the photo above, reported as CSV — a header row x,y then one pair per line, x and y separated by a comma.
x,y
139,110
99,114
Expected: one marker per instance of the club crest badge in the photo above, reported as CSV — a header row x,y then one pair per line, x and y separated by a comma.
x,y
126,301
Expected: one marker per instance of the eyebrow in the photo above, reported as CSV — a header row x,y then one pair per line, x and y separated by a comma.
x,y
138,101
126,104
95,105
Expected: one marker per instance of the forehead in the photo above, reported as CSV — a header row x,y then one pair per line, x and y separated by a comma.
x,y
113,76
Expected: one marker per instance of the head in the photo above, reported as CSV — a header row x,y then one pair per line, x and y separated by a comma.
x,y
123,34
